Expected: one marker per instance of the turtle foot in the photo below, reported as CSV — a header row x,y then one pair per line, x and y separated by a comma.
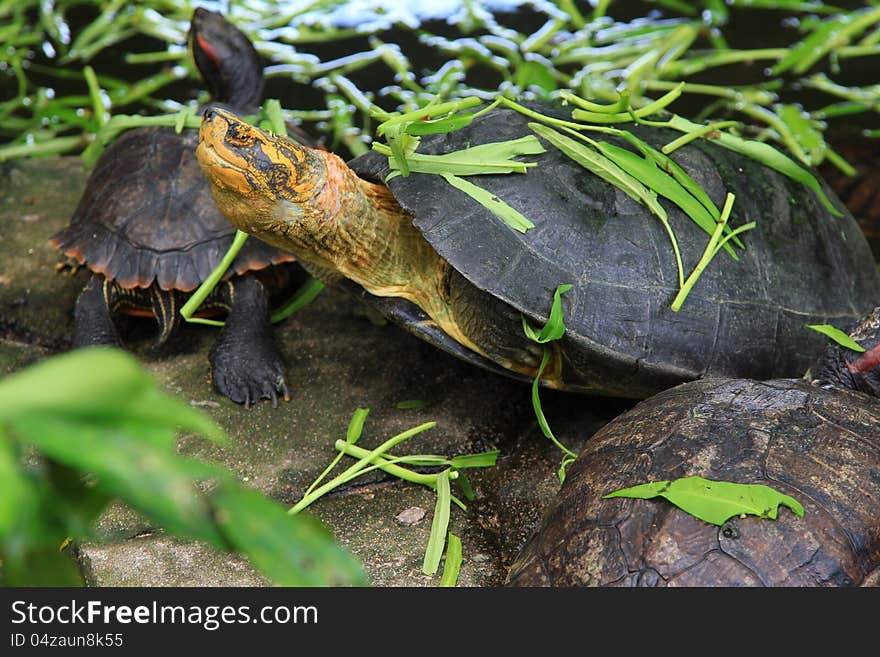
x,y
248,375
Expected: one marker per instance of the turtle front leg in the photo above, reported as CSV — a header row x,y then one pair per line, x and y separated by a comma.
x,y
93,315
245,363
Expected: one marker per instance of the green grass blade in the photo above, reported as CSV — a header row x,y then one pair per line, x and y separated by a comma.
x,y
837,335
764,153
555,326
440,126
188,310
649,174
452,565
352,435
439,525
595,162
513,218
307,293
480,460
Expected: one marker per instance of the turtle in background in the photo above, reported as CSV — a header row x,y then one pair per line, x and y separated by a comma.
x,y
816,439
437,262
147,228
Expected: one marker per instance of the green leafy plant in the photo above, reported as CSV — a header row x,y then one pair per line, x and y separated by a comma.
x,y
82,429
715,502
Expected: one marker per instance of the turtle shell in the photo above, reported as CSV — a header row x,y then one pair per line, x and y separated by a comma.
x,y
818,445
743,318
147,216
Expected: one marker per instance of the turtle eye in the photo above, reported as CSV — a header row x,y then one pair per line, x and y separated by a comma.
x,y
238,137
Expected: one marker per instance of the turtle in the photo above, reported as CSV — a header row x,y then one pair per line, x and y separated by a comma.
x,y
147,229
815,439
440,264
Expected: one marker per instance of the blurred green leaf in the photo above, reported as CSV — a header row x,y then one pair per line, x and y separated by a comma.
x,y
535,74
42,566
90,383
150,477
290,550
14,488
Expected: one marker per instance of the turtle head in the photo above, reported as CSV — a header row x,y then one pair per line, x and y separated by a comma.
x,y
854,369
267,185
226,58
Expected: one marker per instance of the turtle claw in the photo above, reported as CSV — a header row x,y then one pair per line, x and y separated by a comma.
x,y
246,381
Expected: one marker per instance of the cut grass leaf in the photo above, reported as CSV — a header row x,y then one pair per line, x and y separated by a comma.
x,y
491,158
480,460
439,126
512,217
352,435
671,167
764,153
661,182
611,172
715,244
838,336
439,525
556,331
402,146
617,107
369,458
452,564
188,310
714,502
598,164
555,326
432,110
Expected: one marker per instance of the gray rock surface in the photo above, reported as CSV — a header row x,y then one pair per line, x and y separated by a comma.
x,y
337,361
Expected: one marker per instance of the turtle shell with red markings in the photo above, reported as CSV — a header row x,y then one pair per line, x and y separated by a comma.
x,y
147,227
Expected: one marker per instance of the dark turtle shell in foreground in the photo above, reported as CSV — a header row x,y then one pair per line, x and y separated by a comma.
x,y
147,227
801,265
819,445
